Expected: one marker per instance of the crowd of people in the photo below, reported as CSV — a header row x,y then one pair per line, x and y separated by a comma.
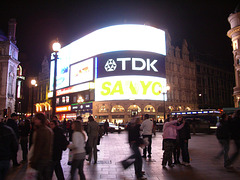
x,y
43,142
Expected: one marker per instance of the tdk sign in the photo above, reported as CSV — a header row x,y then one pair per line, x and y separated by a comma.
x,y
136,64
130,63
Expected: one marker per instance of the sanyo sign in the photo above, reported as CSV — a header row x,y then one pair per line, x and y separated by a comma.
x,y
136,64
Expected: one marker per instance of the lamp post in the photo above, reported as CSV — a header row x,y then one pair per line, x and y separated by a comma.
x,y
166,89
56,47
33,83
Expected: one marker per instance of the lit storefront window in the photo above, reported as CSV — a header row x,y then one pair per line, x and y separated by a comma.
x,y
134,107
103,109
118,108
149,108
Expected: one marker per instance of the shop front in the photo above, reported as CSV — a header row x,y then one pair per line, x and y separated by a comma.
x,y
82,109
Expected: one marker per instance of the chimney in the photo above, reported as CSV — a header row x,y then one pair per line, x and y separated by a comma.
x,y
12,30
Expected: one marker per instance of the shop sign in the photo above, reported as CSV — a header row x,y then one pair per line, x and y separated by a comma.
x,y
63,108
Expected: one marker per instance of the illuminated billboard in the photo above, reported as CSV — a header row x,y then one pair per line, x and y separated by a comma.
x,y
81,72
129,88
129,56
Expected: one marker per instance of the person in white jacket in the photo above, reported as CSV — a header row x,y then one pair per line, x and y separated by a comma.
x,y
78,148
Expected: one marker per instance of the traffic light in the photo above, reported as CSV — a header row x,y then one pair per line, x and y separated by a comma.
x,y
4,113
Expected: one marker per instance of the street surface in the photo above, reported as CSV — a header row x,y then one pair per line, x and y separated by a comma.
x,y
114,148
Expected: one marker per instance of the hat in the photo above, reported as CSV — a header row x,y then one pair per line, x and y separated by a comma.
x,y
13,115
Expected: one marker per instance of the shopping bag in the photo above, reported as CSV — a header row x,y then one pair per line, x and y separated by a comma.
x,y
31,174
70,157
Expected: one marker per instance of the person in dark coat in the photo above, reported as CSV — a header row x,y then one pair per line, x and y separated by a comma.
x,y
106,126
24,130
235,135
223,136
12,122
60,144
135,142
184,136
8,144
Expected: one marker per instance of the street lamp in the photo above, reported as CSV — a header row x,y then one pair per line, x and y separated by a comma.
x,y
33,83
165,90
56,47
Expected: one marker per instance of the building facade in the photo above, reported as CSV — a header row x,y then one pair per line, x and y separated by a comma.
x,y
8,69
234,34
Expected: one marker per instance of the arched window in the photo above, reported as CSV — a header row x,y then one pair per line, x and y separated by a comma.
x,y
134,108
188,108
149,108
118,108
103,108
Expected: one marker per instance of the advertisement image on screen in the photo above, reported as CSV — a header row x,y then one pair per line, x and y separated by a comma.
x,y
129,88
130,63
81,72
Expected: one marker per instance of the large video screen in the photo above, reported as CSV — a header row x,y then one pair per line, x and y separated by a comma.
x,y
118,51
129,88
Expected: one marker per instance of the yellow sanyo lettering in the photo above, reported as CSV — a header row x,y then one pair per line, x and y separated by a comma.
x,y
117,88
145,86
106,88
153,88
132,88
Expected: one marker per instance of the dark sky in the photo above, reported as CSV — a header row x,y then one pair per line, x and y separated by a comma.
x,y
202,23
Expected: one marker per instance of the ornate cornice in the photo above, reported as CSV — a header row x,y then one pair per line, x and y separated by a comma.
x,y
232,31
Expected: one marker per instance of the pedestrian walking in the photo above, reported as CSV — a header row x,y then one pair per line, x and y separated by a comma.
x,y
106,126
41,149
24,130
60,144
8,144
147,128
93,132
184,135
223,136
135,142
235,135
169,139
12,122
78,147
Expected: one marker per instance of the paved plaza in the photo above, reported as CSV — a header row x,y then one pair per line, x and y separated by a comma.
x,y
114,148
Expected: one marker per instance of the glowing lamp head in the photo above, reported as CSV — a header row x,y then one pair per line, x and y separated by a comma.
x,y
56,46
33,82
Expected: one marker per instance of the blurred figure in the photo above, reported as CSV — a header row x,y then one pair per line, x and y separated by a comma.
x,y
78,148
235,135
93,132
8,144
223,136
106,126
12,122
24,130
41,148
147,127
184,135
60,144
169,137
68,127
135,142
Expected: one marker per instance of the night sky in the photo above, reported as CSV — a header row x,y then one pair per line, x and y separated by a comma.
x,y
202,23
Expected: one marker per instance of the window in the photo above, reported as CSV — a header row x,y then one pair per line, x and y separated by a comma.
x,y
57,100
74,99
67,99
235,45
118,108
149,108
103,109
64,99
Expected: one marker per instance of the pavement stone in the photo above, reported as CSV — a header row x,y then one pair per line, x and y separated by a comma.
x,y
114,148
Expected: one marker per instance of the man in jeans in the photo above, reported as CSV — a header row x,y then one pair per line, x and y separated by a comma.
x,y
147,127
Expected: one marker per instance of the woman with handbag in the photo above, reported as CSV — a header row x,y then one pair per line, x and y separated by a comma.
x,y
78,148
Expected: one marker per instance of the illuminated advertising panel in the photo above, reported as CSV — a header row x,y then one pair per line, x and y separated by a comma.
x,y
130,63
129,88
81,72
116,51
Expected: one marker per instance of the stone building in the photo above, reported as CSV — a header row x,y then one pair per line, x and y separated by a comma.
x,y
8,68
234,34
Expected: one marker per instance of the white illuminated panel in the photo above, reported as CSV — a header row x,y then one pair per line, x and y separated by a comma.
x,y
81,72
117,38
129,87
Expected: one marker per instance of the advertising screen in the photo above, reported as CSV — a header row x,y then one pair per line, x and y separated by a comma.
x,y
114,54
129,88
81,72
